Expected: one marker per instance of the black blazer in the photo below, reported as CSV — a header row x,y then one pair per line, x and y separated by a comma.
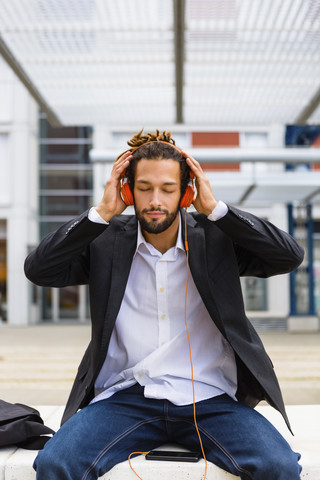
x,y
83,252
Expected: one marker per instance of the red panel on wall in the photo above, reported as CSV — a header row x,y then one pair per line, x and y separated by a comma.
x,y
316,143
217,140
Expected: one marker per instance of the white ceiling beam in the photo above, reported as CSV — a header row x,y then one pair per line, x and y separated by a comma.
x,y
233,155
5,52
309,109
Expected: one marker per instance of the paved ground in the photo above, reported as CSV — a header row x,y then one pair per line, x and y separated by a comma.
x,y
38,363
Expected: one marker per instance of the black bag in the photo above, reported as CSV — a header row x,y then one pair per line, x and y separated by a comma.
x,y
22,426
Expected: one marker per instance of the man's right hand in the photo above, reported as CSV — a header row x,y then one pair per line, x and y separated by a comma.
x,y
111,203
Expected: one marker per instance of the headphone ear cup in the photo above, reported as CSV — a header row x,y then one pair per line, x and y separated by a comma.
x,y
126,194
187,198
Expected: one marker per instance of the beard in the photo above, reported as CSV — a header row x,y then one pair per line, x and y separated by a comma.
x,y
153,226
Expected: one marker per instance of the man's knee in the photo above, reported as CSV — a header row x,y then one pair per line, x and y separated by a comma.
x,y
279,466
50,462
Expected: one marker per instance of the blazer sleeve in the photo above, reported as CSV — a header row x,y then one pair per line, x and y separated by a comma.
x,y
63,258
262,249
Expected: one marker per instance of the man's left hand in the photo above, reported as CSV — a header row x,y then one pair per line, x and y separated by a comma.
x,y
205,201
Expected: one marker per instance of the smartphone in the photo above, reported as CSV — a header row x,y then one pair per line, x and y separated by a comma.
x,y
173,456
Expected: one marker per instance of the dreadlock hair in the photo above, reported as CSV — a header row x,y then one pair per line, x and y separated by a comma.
x,y
150,146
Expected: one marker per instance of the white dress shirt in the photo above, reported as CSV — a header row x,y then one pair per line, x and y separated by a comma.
x,y
149,342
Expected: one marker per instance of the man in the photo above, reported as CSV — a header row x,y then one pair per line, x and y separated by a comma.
x,y
134,384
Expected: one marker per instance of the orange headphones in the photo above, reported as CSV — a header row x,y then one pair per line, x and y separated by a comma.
x,y
127,195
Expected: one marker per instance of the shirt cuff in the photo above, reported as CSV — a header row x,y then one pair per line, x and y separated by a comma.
x,y
218,212
94,217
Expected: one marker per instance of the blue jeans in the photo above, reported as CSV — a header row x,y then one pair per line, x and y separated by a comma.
x,y
235,437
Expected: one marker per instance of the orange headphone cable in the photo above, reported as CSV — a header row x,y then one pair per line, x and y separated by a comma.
x,y
129,460
189,344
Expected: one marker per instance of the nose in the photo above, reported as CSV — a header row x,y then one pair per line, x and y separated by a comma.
x,y
155,199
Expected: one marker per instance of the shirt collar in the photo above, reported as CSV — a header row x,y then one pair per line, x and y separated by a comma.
x,y
142,244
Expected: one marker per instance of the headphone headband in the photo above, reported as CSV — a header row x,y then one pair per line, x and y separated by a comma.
x,y
187,198
158,141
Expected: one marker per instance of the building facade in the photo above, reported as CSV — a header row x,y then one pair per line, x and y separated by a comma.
x,y
49,175
65,191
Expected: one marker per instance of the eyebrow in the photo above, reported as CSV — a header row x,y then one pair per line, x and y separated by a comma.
x,y
148,183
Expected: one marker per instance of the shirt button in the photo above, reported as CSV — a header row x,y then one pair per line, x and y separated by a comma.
x,y
163,317
139,376
161,289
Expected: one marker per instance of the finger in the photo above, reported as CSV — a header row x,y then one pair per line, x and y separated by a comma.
x,y
123,158
194,162
122,163
194,165
128,153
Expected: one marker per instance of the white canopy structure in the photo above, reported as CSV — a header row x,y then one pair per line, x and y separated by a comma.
x,y
166,62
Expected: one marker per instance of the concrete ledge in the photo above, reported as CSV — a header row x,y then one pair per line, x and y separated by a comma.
x,y
16,464
301,324
163,470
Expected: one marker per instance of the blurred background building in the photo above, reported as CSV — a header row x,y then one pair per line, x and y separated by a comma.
x,y
238,84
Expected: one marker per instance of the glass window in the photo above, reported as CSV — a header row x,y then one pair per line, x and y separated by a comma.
x,y
47,131
66,179
47,227
302,291
302,299
316,265
72,205
65,153
60,304
255,293
65,192
68,302
3,270
3,280
87,302
63,150
47,313
60,132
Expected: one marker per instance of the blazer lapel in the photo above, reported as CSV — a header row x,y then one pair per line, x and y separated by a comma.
x,y
124,248
198,267
197,250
